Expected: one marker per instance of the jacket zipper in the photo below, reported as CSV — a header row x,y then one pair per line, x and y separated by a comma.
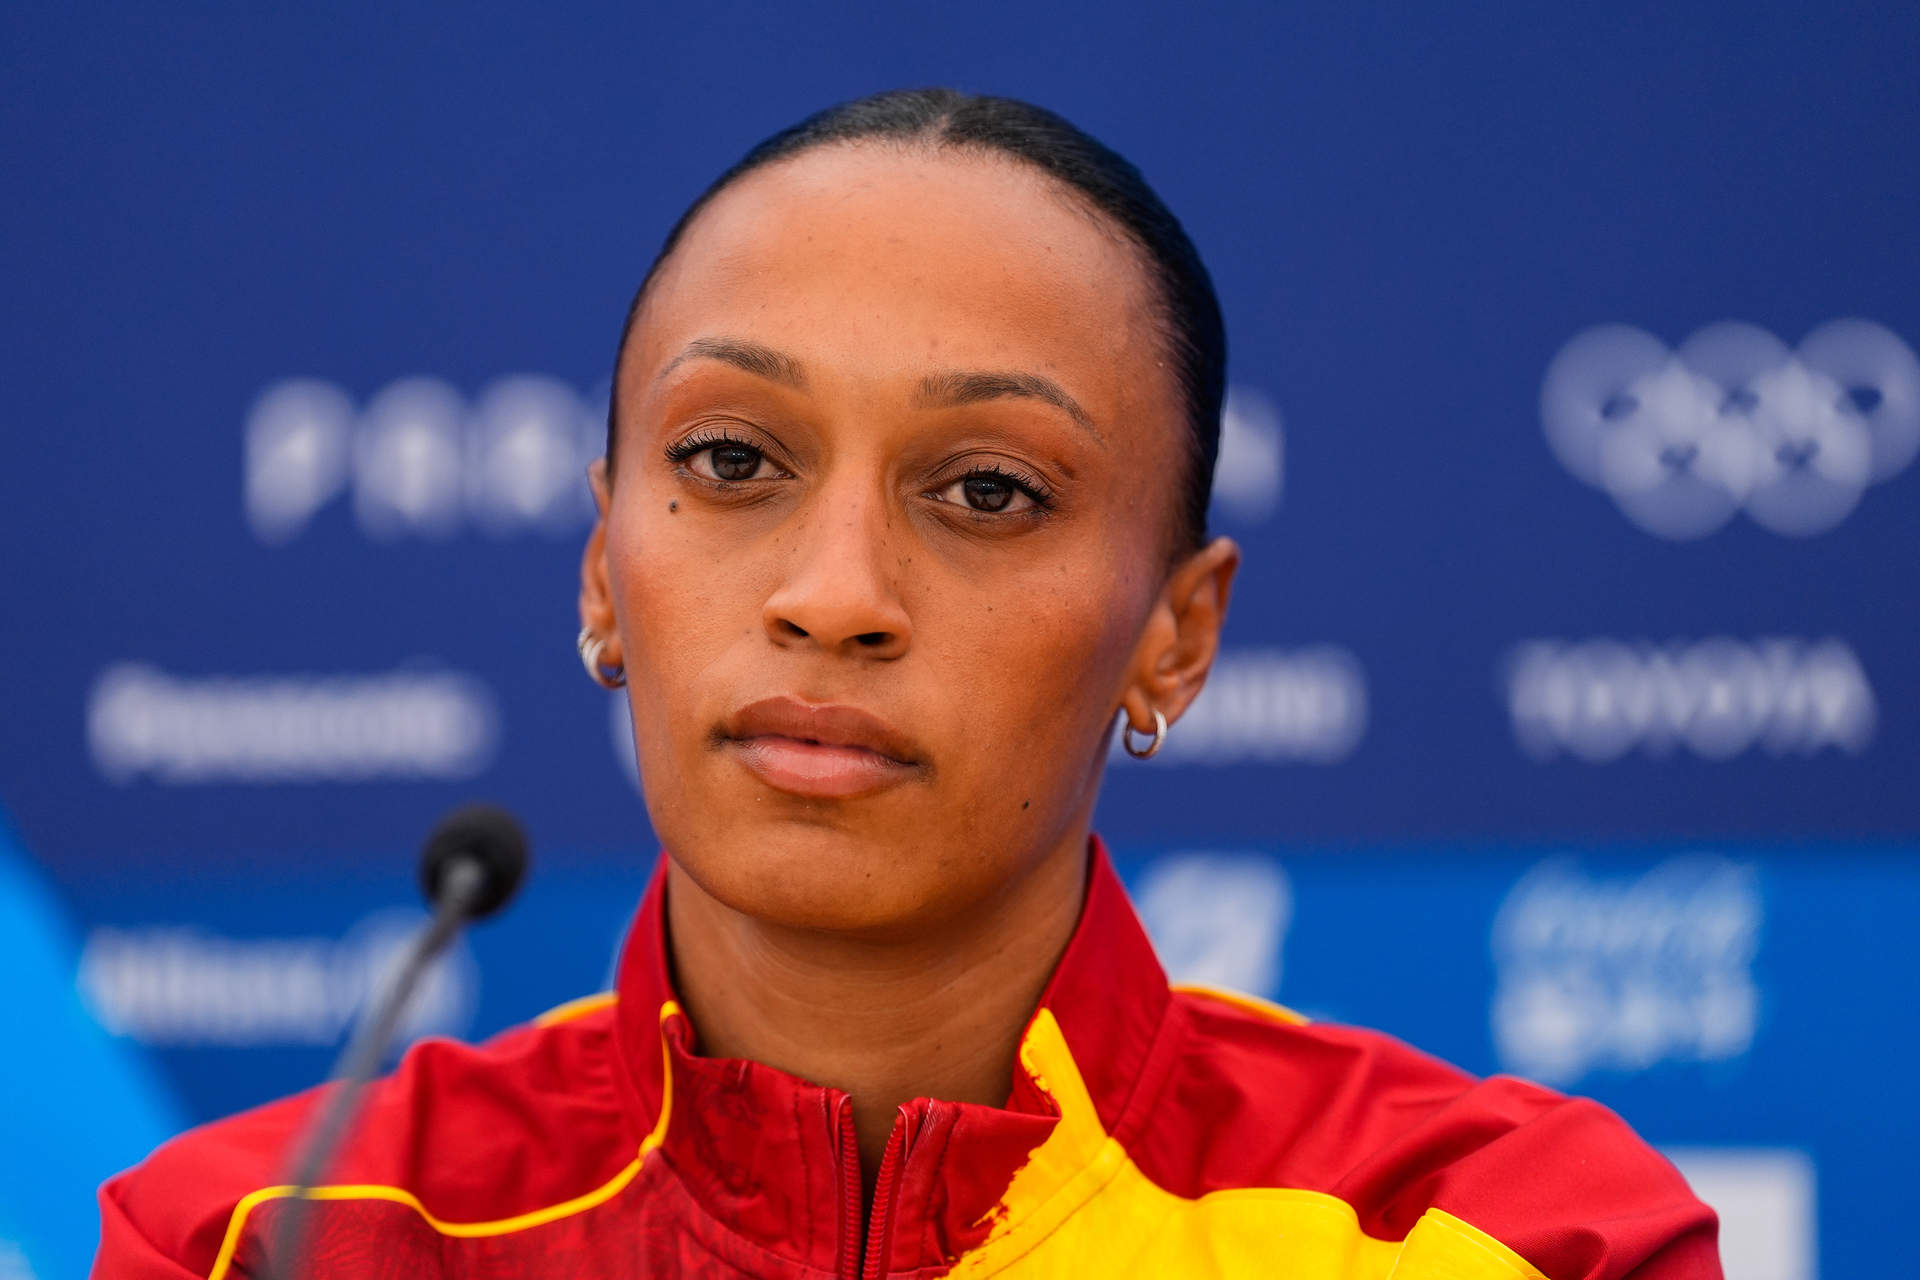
x,y
879,1233
849,1187
880,1225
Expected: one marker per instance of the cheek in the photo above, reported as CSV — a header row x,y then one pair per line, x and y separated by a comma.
x,y
678,608
1031,670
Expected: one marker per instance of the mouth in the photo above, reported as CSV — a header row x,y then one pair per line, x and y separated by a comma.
x,y
819,752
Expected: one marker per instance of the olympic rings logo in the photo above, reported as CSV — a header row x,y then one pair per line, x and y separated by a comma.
x,y
1734,421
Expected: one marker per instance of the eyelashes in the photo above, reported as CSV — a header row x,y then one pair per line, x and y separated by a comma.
x,y
996,489
708,438
987,488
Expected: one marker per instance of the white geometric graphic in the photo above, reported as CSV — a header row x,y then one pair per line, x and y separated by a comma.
x,y
419,461
1625,973
256,730
1270,706
182,986
1250,471
526,441
1734,421
620,722
13,1262
299,437
407,461
1218,919
1767,1202
1598,700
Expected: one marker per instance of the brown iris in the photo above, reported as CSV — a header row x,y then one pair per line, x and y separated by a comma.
x,y
987,493
735,461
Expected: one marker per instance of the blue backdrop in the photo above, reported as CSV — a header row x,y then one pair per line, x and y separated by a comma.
x,y
1567,720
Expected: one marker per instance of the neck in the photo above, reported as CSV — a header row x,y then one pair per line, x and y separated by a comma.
x,y
936,1015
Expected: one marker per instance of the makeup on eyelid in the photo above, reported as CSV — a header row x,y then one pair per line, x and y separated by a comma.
x,y
977,498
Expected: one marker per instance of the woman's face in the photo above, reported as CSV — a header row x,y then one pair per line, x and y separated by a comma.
x,y
886,544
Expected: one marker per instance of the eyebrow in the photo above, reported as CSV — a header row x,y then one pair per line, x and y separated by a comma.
x,y
765,362
963,387
945,390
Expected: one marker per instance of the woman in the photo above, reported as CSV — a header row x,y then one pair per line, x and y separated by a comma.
x,y
914,422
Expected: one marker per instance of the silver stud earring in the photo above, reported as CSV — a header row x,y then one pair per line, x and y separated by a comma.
x,y
590,646
1159,737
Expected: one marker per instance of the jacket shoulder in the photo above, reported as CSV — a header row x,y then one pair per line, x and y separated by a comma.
x,y
1259,1097
438,1128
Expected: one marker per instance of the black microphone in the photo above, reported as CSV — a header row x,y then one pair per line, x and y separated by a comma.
x,y
471,865
477,856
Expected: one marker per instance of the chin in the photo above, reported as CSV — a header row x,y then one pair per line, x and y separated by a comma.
x,y
810,873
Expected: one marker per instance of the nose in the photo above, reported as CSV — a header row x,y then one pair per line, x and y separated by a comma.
x,y
839,594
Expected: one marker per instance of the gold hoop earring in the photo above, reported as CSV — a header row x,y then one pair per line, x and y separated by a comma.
x,y
1152,748
590,646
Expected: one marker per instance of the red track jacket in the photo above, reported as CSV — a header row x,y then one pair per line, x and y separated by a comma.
x,y
1150,1132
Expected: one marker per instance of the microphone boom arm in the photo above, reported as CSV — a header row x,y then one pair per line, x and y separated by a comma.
x,y
459,888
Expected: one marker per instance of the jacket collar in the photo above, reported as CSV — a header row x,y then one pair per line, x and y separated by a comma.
x,y
769,1156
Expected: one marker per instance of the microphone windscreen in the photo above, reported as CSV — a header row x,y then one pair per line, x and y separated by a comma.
x,y
491,839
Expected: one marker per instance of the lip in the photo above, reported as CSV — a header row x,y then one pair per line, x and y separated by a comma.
x,y
819,751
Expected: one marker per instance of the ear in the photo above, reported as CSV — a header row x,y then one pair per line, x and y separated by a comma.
x,y
1182,635
596,592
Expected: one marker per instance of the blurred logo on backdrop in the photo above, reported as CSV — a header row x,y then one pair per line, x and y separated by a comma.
x,y
1271,706
1623,972
13,1262
1597,700
419,721
1734,420
1217,919
1768,1203
419,460
1250,472
180,986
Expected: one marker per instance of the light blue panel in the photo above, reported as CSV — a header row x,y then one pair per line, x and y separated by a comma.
x,y
80,1104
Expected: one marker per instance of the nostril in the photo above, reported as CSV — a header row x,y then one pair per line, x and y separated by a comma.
x,y
792,629
872,639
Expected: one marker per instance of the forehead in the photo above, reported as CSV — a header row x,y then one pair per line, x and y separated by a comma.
x,y
885,261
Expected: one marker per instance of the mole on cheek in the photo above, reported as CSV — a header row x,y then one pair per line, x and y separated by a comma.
x,y
673,506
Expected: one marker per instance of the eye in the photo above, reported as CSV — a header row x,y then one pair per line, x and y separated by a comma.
x,y
990,493
731,461
723,460
987,493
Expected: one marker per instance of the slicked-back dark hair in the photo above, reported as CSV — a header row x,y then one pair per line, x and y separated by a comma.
x,y
1190,313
